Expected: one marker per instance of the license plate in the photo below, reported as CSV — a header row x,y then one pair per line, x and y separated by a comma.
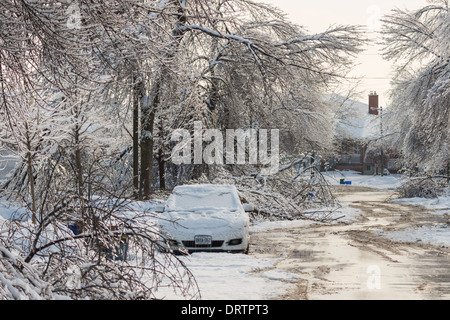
x,y
203,240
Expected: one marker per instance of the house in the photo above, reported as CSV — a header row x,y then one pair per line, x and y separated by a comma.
x,y
359,130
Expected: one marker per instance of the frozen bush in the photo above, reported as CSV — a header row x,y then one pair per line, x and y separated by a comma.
x,y
422,187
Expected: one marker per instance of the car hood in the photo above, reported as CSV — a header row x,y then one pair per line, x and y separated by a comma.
x,y
205,218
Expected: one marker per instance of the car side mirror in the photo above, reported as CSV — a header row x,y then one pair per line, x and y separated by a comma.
x,y
159,209
248,207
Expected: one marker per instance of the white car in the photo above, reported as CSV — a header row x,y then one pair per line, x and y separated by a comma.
x,y
204,217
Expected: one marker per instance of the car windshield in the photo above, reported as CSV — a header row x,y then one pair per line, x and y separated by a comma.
x,y
203,198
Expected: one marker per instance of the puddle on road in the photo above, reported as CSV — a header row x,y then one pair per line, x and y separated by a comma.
x,y
358,196
302,254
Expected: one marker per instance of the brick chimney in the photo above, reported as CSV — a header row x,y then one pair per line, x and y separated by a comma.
x,y
373,103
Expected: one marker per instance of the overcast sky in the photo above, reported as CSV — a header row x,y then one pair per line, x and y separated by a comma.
x,y
318,15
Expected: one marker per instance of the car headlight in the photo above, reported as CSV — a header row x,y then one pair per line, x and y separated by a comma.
x,y
235,242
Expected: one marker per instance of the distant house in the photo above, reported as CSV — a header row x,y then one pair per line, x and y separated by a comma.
x,y
358,131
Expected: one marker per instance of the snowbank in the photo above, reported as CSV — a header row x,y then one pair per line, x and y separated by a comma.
x,y
436,234
440,205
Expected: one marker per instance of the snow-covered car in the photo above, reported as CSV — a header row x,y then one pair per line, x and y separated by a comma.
x,y
204,217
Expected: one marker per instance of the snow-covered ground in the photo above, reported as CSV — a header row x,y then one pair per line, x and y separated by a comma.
x,y
440,205
242,277
228,276
437,234
390,182
218,275
10,211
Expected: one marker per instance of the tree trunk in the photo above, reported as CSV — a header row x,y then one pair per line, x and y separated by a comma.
x,y
30,176
32,192
147,157
78,163
137,88
149,110
161,168
147,122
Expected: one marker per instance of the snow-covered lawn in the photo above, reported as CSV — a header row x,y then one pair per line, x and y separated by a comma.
x,y
390,182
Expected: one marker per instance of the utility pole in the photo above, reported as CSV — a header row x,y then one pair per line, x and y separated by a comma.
x,y
381,132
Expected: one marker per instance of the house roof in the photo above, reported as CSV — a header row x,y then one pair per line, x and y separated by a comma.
x,y
353,121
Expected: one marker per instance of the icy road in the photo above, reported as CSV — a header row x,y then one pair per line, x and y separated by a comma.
x,y
368,258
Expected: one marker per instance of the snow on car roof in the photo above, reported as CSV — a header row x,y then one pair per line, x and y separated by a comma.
x,y
203,197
